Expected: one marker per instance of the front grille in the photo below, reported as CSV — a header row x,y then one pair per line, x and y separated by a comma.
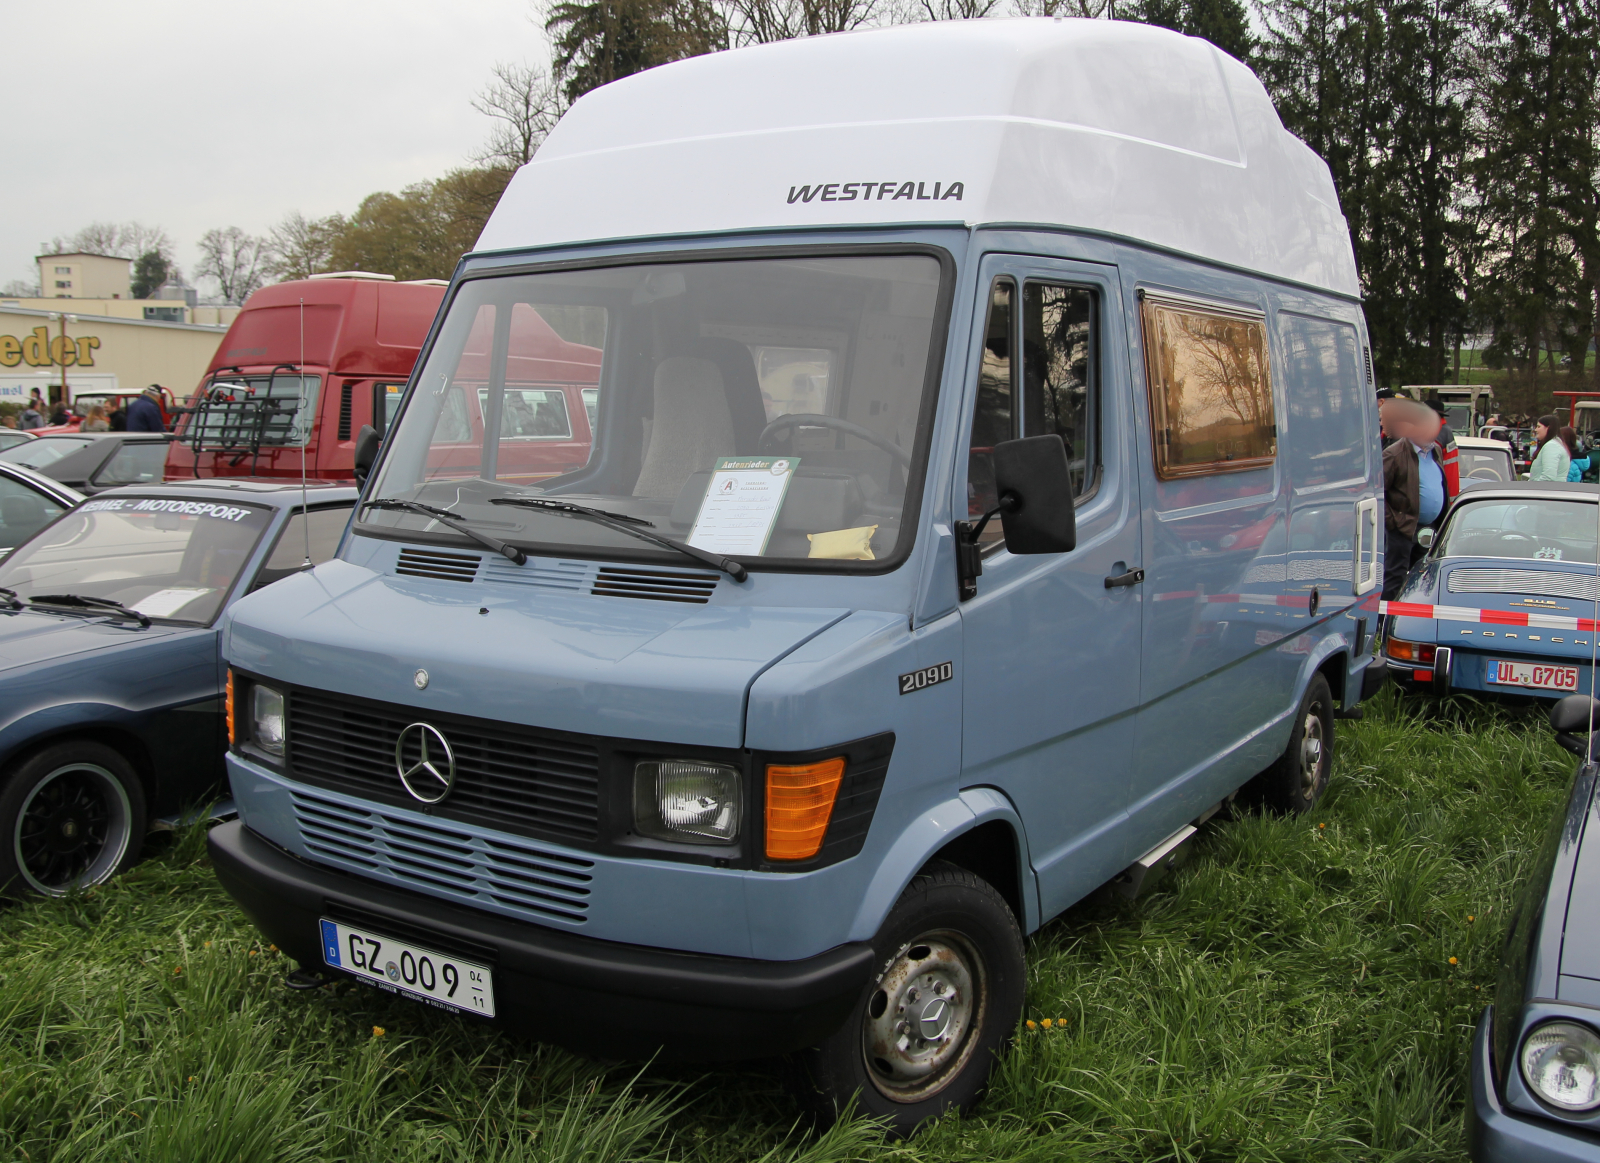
x,y
662,585
462,567
503,874
1578,586
507,775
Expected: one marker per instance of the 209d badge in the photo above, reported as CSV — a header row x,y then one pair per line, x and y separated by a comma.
x,y
928,676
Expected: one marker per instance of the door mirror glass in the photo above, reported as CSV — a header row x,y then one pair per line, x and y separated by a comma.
x,y
1033,482
367,443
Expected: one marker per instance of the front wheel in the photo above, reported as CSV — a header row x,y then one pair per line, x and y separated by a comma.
x,y
924,1036
71,815
1294,784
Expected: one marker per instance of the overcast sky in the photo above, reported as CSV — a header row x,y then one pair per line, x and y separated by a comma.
x,y
192,115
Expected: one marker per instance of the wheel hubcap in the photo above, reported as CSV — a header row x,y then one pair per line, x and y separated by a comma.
x,y
1311,753
921,1020
73,829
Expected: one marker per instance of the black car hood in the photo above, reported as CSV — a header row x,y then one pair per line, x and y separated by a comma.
x,y
29,637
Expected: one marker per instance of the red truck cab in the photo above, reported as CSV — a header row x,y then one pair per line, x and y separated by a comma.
x,y
305,364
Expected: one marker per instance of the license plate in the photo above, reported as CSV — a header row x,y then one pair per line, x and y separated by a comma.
x,y
1536,675
421,974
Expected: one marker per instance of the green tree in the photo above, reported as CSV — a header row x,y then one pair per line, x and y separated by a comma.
x,y
303,246
596,42
1225,23
150,270
423,230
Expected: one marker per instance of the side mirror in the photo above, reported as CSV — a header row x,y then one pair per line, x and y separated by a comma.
x,y
367,444
1571,718
1034,484
1425,538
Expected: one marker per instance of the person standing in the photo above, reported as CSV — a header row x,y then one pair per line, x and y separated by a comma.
x,y
31,418
116,414
1413,486
1551,457
144,414
1449,455
95,421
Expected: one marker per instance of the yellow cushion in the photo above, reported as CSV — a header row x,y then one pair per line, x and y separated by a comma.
x,y
843,544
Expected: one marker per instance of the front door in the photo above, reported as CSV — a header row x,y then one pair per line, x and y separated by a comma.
x,y
1051,651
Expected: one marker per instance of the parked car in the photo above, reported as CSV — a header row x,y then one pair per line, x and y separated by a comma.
x,y
13,436
93,462
1484,460
111,682
1536,1049
29,501
879,622
1521,547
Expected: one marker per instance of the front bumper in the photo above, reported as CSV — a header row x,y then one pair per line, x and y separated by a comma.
x,y
1496,1135
596,997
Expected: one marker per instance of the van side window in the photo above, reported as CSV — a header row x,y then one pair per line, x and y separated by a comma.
x,y
992,421
1059,374
1210,388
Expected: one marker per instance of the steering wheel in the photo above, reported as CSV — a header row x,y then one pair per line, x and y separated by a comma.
x,y
810,420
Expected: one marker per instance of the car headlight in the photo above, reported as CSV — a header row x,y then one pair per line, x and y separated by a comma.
x,y
687,800
1561,1063
266,719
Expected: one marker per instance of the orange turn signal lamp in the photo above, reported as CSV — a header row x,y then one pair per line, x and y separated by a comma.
x,y
799,806
228,707
1419,653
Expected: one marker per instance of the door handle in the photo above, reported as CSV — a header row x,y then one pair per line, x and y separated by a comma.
x,y
1132,578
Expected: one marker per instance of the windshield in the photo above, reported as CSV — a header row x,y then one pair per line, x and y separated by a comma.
x,y
166,558
1485,464
45,450
1536,530
656,393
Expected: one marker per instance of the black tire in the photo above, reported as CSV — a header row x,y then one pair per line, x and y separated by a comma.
x,y
949,935
71,815
1294,784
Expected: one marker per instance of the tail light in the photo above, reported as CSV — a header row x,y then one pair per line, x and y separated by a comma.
x,y
1416,653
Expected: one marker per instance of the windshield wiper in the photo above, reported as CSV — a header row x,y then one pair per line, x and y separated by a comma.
x,y
12,601
626,524
509,552
88,603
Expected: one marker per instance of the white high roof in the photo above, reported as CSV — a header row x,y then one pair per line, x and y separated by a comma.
x,y
1109,126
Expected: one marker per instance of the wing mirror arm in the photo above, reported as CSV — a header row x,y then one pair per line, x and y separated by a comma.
x,y
1033,483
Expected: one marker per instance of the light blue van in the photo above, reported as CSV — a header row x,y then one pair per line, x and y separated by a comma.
x,y
984,488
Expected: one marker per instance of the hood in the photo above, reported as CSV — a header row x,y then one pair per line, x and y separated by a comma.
x,y
618,667
30,637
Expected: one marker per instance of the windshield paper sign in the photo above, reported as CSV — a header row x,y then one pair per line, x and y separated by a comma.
x,y
741,504
188,508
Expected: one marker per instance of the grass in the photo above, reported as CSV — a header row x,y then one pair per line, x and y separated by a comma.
x,y
1288,994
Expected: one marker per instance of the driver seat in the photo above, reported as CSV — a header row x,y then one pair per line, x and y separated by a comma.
x,y
692,426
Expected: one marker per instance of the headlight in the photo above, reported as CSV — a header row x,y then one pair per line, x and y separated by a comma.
x,y
266,719
1561,1063
686,800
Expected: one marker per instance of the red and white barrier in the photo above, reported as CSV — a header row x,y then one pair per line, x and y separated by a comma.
x,y
1487,617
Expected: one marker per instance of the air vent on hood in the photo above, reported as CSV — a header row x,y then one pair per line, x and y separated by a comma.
x,y
1580,586
571,576
657,584
461,567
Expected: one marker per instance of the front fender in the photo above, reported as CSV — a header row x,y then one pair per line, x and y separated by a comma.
x,y
921,841
61,719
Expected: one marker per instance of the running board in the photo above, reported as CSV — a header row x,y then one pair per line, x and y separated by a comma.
x,y
1148,867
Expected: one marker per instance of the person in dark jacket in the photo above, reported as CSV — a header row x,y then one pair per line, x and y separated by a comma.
x,y
116,414
1414,490
144,414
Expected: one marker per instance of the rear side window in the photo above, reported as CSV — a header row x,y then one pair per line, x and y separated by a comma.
x,y
134,464
1210,387
323,530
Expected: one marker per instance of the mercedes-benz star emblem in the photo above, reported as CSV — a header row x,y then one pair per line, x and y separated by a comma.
x,y
421,679
425,762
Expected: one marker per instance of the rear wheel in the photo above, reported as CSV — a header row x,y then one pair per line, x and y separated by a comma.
x,y
1295,783
924,1036
71,815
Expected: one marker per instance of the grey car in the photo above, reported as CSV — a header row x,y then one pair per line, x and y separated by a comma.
x,y
111,676
1536,1052
29,501
93,462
